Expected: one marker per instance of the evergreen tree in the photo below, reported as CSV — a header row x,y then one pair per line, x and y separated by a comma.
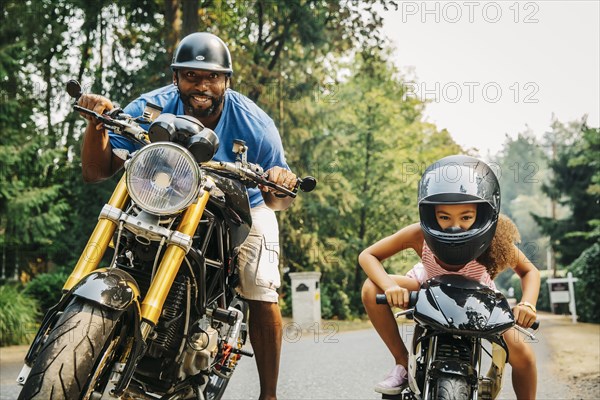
x,y
574,183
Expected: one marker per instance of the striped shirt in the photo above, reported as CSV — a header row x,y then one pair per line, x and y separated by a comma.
x,y
428,268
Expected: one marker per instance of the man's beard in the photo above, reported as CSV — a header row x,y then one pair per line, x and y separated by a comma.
x,y
215,103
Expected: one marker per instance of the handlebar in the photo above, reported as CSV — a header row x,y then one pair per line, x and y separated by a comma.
x,y
114,120
254,173
412,299
126,125
381,299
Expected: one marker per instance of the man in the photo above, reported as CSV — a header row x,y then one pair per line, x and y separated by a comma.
x,y
201,76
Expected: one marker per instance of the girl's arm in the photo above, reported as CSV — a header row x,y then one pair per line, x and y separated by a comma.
x,y
370,260
524,312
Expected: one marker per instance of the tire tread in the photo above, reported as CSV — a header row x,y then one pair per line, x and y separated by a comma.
x,y
68,357
452,387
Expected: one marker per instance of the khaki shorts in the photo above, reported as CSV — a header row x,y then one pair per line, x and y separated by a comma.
x,y
258,260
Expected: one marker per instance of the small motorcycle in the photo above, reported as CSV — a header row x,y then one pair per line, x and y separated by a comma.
x,y
453,316
162,320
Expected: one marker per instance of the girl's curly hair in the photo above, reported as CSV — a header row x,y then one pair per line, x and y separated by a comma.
x,y
501,254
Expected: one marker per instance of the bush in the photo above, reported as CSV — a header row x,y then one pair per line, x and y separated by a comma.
x,y
543,302
335,303
585,267
18,315
47,288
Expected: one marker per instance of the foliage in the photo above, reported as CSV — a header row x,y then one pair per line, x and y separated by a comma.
x,y
369,154
18,314
335,302
46,288
294,41
575,181
509,279
585,267
522,168
32,203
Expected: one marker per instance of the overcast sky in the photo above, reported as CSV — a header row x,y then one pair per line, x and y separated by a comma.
x,y
491,69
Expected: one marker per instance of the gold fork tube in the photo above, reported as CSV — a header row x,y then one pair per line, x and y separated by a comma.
x,y
99,240
171,261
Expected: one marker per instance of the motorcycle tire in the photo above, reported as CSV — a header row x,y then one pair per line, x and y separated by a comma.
x,y
77,352
215,388
452,387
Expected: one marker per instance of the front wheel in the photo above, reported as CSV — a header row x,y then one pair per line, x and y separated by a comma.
x,y
76,354
452,387
215,388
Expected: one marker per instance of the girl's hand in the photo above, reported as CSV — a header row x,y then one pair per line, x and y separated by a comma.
x,y
525,314
397,296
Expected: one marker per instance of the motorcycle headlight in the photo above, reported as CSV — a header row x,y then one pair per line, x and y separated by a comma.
x,y
163,178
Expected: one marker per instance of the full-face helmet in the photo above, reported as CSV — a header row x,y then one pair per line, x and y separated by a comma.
x,y
459,179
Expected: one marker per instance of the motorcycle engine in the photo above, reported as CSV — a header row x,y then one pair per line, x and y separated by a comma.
x,y
201,348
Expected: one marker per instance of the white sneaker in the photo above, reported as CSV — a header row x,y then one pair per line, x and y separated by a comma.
x,y
394,382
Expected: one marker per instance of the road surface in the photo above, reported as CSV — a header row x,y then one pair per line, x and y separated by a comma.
x,y
321,365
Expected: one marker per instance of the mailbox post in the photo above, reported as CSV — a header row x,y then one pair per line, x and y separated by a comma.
x,y
306,298
562,290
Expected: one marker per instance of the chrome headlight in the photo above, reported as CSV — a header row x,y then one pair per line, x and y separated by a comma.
x,y
163,178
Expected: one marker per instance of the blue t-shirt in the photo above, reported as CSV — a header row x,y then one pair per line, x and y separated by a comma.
x,y
241,119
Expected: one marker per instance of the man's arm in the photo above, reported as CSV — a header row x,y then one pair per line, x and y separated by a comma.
x,y
276,203
97,161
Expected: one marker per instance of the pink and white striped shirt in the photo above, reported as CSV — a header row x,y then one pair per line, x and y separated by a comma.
x,y
428,268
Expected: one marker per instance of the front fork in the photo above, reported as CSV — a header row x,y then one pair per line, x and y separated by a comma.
x,y
469,370
98,243
169,267
160,286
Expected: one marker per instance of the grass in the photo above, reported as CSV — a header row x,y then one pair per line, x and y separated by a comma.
x,y
18,316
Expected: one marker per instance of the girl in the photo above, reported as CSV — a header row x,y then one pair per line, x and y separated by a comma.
x,y
460,232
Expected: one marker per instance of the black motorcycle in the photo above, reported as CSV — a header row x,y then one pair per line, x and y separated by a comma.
x,y
162,319
453,316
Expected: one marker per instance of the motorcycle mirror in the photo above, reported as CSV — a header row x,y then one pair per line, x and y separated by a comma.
x,y
203,145
307,184
74,89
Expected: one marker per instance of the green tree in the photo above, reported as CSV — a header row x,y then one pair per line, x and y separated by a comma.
x,y
32,204
370,146
574,184
522,168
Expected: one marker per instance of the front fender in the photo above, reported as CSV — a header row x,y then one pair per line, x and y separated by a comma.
x,y
112,288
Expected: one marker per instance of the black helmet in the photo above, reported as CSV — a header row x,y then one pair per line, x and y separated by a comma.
x,y
202,50
459,179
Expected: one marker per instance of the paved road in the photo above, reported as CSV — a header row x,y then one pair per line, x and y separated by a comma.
x,y
327,365
350,364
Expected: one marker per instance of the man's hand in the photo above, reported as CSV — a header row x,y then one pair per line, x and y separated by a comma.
x,y
282,177
96,103
397,296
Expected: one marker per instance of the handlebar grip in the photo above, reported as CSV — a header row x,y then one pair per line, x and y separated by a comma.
x,y
307,184
535,325
412,299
